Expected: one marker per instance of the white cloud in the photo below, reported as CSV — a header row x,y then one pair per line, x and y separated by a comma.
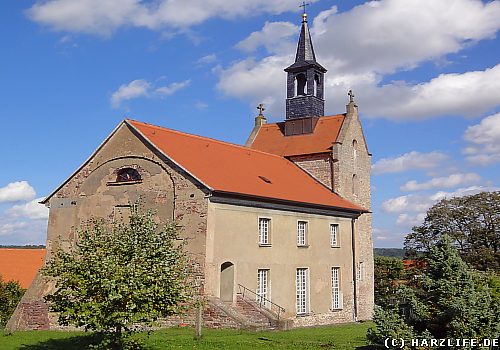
x,y
409,161
134,89
383,36
142,88
467,191
261,82
274,36
452,180
466,94
17,191
31,210
17,232
10,227
410,220
416,203
172,88
407,203
207,59
361,46
103,17
484,141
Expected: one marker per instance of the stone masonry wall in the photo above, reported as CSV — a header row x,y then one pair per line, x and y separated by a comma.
x,y
357,162
92,192
318,165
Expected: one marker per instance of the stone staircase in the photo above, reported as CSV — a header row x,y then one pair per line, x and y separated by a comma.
x,y
255,314
244,313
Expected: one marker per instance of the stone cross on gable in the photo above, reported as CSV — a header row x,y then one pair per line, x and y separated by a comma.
x,y
261,109
351,96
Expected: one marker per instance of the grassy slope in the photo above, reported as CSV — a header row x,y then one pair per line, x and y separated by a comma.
x,y
334,337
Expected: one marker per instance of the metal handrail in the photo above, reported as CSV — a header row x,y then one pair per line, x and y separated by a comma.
x,y
263,302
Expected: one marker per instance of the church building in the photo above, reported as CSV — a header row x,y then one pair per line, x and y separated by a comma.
x,y
279,229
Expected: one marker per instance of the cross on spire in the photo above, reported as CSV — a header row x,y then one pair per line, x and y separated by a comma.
x,y
304,15
351,96
304,4
261,109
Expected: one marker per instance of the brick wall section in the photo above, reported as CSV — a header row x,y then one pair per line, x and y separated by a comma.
x,y
317,165
33,315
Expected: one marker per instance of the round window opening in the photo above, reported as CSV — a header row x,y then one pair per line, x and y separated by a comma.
x,y
128,174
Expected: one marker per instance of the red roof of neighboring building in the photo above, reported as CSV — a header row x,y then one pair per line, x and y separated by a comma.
x,y
271,138
227,167
20,265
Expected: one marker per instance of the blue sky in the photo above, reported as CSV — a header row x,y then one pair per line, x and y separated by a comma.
x,y
426,75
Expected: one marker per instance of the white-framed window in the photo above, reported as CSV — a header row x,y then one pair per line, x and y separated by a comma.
x,y
264,231
360,271
302,233
334,235
263,286
302,291
337,299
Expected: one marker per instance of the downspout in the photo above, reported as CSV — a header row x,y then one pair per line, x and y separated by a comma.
x,y
355,282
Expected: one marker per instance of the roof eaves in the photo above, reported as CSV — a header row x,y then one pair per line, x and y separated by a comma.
x,y
127,121
359,210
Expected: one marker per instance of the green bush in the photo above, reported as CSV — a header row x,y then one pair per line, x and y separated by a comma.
x,y
10,294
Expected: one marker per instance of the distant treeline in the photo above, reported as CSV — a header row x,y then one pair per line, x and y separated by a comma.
x,y
40,246
390,252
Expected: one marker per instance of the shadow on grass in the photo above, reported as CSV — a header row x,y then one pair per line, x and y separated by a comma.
x,y
81,342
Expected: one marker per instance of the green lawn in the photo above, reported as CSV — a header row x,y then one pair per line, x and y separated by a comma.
x,y
347,336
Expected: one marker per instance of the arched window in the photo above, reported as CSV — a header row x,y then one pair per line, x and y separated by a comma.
x,y
300,83
355,184
354,153
316,84
128,174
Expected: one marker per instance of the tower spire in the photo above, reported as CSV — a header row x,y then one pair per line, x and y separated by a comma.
x,y
305,78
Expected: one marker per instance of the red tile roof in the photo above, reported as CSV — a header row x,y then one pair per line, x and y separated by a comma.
x,y
271,138
226,167
20,265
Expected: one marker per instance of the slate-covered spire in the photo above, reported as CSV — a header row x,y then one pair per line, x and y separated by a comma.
x,y
305,49
305,79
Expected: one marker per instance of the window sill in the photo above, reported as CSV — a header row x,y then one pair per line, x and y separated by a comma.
x,y
120,183
336,310
335,246
304,315
264,245
303,246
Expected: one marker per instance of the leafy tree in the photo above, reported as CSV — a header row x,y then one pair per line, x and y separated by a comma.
x,y
448,299
388,272
117,277
472,223
10,294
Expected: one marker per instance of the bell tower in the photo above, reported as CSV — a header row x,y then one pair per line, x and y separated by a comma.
x,y
305,80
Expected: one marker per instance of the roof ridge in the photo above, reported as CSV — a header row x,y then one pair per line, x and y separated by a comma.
x,y
208,139
323,117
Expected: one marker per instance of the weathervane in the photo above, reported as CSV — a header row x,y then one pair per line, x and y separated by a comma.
x,y
261,109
